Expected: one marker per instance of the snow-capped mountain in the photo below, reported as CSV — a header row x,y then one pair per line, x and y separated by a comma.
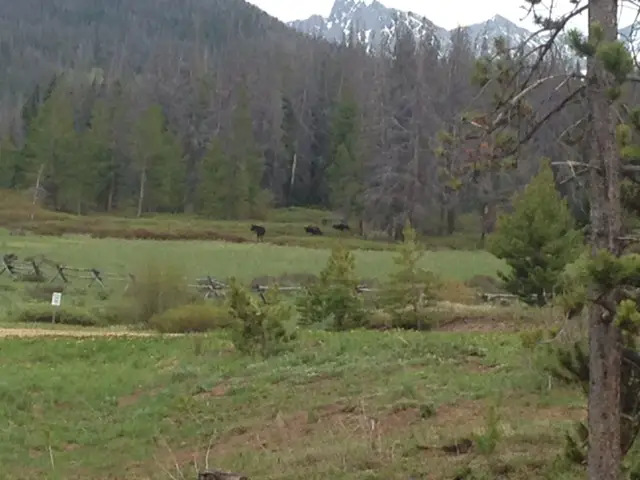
x,y
372,21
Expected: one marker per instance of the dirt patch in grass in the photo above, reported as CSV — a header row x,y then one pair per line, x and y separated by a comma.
x,y
470,412
218,391
480,324
43,332
289,430
129,400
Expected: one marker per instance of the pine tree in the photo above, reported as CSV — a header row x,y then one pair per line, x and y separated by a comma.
x,y
53,147
10,165
334,298
247,198
537,241
611,277
411,288
345,173
158,159
214,182
99,147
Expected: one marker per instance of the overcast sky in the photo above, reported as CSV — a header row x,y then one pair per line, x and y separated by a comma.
x,y
448,14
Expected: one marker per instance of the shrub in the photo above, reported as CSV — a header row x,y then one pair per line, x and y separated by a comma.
x,y
457,292
200,317
538,240
260,326
411,288
157,288
67,315
43,292
334,298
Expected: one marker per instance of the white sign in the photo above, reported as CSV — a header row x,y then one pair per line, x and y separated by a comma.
x,y
56,299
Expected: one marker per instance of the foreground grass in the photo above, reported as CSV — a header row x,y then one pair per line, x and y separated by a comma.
x,y
223,260
359,405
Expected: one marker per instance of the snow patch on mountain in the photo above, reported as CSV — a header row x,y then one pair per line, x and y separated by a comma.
x,y
372,21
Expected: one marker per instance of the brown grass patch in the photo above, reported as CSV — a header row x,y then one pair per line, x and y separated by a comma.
x,y
378,437
479,324
81,227
217,391
129,400
458,292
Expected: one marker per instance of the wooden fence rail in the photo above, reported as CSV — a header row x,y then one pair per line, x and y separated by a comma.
x,y
208,285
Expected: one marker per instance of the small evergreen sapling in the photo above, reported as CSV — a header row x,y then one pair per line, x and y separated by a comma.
x,y
334,298
538,240
260,327
411,288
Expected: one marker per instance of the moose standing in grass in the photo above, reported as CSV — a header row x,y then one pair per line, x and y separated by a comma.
x,y
259,230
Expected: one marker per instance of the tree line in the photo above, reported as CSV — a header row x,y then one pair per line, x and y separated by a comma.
x,y
289,121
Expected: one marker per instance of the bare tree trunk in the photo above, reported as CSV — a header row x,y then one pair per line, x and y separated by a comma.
x,y
605,347
36,191
451,220
292,179
143,182
112,188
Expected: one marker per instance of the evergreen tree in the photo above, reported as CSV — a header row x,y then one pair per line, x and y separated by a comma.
x,y
10,165
538,240
245,197
245,142
609,126
53,147
34,101
98,145
214,182
158,159
334,298
411,288
345,169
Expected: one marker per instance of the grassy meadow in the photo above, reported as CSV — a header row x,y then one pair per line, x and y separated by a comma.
x,y
359,405
363,404
245,261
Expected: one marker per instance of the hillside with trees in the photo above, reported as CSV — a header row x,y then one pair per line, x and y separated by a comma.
x,y
215,108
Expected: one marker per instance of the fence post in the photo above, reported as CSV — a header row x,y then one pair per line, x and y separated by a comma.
x,y
7,264
36,269
95,277
60,273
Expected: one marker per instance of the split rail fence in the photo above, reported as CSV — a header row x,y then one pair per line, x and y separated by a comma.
x,y
40,269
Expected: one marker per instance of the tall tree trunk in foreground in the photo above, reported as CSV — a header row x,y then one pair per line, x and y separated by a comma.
x,y
604,458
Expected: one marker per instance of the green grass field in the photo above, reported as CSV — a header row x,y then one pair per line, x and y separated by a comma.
x,y
223,260
359,405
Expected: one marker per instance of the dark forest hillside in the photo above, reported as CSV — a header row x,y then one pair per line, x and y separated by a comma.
x,y
37,37
213,107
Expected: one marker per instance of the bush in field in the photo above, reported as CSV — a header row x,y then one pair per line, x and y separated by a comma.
x,y
199,317
411,288
260,326
538,240
157,288
333,299
65,314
